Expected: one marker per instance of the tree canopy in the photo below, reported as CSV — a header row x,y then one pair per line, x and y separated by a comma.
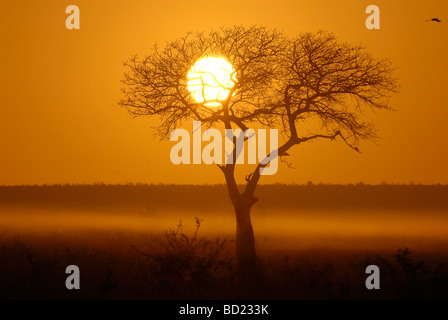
x,y
281,82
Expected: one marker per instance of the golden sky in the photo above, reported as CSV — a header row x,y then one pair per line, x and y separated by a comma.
x,y
60,121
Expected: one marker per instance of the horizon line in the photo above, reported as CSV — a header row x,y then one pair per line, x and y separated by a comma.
x,y
140,184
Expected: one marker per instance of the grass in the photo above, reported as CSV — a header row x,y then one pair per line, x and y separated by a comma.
x,y
177,265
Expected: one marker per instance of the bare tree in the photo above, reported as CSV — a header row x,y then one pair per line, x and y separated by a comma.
x,y
281,82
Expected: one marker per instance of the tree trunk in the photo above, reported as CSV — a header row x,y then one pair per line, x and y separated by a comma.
x,y
245,243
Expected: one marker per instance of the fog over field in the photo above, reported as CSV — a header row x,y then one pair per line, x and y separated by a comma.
x,y
286,217
313,241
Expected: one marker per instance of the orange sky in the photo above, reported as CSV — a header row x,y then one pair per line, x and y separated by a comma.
x,y
60,122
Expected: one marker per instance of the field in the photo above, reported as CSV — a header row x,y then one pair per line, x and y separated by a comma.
x,y
176,242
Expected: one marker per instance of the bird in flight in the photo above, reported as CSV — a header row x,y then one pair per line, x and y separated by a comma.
x,y
434,19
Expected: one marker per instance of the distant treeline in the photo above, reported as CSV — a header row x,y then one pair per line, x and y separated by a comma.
x,y
215,197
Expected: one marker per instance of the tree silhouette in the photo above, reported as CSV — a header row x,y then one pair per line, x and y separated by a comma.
x,y
281,82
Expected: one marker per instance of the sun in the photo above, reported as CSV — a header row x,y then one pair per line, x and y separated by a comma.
x,y
210,80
